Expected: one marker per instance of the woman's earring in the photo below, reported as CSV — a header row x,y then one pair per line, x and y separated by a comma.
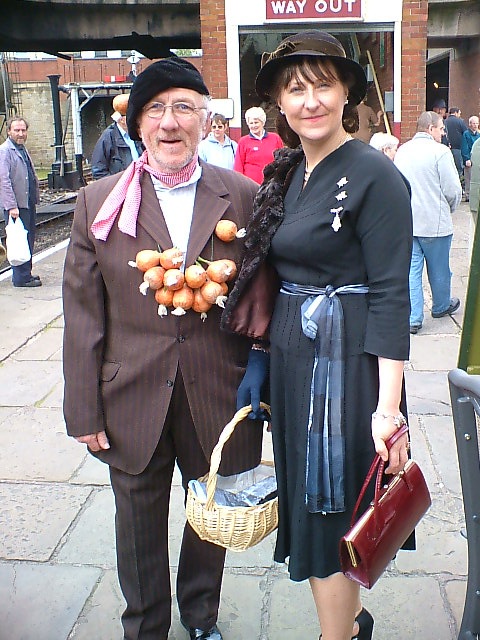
x,y
282,112
346,101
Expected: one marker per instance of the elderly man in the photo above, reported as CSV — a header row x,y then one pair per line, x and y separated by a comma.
x,y
470,136
436,193
115,150
144,392
19,192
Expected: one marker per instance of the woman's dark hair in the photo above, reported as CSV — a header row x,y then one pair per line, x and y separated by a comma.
x,y
312,69
219,117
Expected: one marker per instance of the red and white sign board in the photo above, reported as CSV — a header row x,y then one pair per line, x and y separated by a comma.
x,y
317,9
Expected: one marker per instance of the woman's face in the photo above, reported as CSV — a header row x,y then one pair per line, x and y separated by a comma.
x,y
255,125
313,106
390,151
218,130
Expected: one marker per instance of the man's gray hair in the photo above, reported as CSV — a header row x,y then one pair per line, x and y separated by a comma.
x,y
428,119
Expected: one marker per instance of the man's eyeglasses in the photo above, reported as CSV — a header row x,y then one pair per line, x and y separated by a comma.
x,y
156,110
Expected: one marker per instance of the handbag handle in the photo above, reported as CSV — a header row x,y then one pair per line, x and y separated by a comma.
x,y
377,465
216,457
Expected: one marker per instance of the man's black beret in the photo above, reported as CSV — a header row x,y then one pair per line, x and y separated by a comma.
x,y
160,76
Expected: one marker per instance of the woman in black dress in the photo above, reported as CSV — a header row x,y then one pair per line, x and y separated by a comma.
x,y
333,218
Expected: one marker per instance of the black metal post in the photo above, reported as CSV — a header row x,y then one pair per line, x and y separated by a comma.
x,y
62,176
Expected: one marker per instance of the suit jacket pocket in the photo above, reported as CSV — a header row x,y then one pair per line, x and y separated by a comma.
x,y
109,371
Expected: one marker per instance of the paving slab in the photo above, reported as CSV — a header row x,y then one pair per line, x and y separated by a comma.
x,y
34,517
48,454
57,549
43,602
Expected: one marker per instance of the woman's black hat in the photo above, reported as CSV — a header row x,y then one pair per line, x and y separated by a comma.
x,y
316,43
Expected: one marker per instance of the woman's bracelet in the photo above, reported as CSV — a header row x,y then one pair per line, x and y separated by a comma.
x,y
259,347
398,420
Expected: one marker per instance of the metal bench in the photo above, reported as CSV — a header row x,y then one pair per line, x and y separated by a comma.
x,y
465,398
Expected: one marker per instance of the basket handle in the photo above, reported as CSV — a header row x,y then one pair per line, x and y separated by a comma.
x,y
216,456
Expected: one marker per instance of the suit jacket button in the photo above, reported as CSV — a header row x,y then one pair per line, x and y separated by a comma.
x,y
169,383
181,338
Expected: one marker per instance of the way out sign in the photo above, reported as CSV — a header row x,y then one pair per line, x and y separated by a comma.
x,y
319,9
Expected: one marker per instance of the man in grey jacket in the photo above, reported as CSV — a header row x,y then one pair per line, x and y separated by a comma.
x,y
436,193
19,192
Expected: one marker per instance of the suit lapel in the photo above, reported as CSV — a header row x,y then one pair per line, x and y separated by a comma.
x,y
150,216
210,206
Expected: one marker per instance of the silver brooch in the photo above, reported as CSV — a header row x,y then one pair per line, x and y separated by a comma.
x,y
337,223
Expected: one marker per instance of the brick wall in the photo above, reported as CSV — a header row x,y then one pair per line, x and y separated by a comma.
x,y
38,110
414,48
213,35
465,84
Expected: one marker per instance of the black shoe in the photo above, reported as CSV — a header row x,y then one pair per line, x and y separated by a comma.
x,y
29,283
199,634
415,328
365,625
454,304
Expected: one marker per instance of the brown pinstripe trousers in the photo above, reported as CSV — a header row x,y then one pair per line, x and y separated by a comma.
x,y
141,523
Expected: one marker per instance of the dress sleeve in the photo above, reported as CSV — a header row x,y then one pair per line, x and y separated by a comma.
x,y
384,227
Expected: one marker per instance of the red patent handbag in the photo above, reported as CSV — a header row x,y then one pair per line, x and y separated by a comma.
x,y
374,539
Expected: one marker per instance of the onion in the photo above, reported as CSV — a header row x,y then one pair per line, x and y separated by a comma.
x,y
120,103
171,258
164,296
183,298
152,279
222,270
227,231
146,259
173,279
211,291
200,305
195,276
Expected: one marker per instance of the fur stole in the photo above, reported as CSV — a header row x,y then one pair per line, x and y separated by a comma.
x,y
267,215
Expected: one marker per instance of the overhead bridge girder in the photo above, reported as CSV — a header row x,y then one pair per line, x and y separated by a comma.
x,y
450,22
151,27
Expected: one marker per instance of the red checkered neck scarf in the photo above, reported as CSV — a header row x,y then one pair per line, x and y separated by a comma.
x,y
126,195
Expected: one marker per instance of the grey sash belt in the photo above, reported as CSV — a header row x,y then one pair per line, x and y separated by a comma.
x,y
322,321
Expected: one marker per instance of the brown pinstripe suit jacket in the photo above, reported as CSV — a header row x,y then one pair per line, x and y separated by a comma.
x,y
120,358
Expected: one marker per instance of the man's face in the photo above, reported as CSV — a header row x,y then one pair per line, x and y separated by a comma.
x,y
473,124
172,140
18,132
437,130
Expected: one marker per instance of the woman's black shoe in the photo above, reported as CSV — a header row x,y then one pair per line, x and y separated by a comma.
x,y
365,625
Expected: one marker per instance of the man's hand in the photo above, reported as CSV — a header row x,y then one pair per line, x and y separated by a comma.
x,y
95,441
14,212
468,163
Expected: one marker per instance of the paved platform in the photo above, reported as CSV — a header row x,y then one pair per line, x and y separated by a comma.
x,y
57,560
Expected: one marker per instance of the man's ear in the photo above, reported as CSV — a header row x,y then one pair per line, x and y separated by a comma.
x,y
207,125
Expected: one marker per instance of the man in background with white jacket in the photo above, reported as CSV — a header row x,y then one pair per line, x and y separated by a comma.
x,y
436,193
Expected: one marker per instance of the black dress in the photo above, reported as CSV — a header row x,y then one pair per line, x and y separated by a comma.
x,y
362,189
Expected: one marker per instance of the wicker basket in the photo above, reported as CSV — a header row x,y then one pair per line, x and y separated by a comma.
x,y
235,528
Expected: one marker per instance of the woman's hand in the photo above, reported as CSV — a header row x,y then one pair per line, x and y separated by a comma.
x,y
383,427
